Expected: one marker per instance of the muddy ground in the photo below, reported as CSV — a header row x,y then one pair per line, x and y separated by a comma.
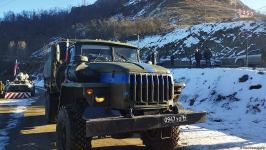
x,y
32,133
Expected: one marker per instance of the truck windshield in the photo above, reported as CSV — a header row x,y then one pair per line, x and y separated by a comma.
x,y
123,54
97,53
101,53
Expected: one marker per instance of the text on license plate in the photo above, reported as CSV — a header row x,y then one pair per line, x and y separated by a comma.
x,y
175,119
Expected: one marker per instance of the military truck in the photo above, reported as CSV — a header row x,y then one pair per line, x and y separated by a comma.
x,y
21,87
97,88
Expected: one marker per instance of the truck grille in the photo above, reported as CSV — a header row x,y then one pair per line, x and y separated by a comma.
x,y
150,89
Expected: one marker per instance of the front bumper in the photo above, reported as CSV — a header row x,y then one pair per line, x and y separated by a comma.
x,y
115,125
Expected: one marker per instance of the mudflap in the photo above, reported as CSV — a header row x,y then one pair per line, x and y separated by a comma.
x,y
115,125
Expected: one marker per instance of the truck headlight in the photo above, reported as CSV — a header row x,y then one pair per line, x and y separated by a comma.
x,y
99,99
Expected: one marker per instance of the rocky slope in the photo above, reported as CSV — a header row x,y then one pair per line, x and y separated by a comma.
x,y
181,12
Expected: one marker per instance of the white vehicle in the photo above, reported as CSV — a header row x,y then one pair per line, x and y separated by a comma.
x,y
254,58
214,62
20,88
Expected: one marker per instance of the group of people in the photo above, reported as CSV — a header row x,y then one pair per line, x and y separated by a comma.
x,y
206,55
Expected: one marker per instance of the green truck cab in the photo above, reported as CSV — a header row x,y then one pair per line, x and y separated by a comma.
x,y
98,88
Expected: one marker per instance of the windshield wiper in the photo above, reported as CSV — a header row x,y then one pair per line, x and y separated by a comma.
x,y
97,57
123,57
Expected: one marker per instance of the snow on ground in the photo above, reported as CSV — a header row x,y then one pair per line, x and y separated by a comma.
x,y
39,83
236,102
198,138
132,2
17,107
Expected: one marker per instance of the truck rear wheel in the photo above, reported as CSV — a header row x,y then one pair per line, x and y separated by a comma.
x,y
153,140
51,107
71,130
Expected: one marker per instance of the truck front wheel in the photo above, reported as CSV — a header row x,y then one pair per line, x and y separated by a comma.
x,y
153,138
70,130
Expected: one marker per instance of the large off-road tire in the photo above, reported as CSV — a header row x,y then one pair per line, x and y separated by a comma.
x,y
153,140
71,130
51,107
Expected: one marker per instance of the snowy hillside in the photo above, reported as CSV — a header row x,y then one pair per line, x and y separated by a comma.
x,y
235,100
176,12
224,39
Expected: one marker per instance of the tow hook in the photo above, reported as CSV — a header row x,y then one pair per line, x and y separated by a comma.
x,y
174,109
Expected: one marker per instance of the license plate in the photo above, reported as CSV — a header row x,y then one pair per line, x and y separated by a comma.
x,y
174,119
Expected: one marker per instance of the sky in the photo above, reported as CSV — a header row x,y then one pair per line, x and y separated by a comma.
x,y
29,5
18,6
256,4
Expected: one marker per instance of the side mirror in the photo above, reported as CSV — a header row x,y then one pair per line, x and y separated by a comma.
x,y
80,59
57,52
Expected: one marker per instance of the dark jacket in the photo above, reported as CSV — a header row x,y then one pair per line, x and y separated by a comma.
x,y
207,54
198,56
263,53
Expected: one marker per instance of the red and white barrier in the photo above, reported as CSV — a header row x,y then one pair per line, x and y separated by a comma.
x,y
17,95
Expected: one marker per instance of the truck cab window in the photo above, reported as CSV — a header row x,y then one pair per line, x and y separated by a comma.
x,y
123,54
97,53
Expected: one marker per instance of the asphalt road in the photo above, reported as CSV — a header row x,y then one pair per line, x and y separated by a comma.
x,y
32,133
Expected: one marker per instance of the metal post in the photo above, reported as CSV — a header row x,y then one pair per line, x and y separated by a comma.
x,y
247,55
84,2
138,40
235,8
190,51
205,15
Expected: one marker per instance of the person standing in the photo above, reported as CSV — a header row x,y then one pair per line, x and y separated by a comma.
x,y
263,57
172,61
198,57
207,55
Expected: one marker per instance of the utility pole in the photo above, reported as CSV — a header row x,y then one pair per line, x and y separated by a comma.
x,y
205,16
235,8
234,2
190,50
83,2
247,54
